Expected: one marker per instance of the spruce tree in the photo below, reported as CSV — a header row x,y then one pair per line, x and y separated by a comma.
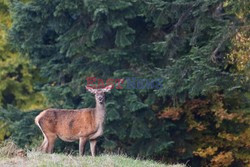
x,y
17,75
182,42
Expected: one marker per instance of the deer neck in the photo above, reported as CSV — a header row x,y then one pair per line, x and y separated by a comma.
x,y
100,113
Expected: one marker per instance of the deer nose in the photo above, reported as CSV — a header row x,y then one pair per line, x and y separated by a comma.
x,y
100,99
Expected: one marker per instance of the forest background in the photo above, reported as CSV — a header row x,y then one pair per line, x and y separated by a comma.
x,y
200,48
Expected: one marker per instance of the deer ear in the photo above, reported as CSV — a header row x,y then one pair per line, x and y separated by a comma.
x,y
107,88
90,89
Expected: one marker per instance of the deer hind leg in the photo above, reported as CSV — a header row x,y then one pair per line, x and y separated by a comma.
x,y
43,144
82,143
51,143
49,137
92,146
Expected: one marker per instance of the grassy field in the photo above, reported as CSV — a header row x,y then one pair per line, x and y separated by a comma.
x,y
37,159
12,156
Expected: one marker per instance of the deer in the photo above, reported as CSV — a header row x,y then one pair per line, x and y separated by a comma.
x,y
74,124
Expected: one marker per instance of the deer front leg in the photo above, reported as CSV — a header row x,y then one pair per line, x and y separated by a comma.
x,y
92,147
82,143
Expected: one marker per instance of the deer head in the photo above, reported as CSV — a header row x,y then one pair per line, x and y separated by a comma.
x,y
99,93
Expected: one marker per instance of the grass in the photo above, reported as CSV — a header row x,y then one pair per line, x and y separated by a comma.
x,y
37,159
10,157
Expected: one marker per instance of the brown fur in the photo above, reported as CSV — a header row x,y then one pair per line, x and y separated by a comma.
x,y
68,125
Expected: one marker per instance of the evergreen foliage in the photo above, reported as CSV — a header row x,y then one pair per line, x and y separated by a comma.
x,y
21,125
184,42
17,75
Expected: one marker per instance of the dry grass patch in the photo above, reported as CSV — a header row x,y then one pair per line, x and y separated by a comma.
x,y
8,149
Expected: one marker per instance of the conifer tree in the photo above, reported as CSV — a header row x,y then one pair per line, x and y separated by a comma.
x,y
183,42
17,75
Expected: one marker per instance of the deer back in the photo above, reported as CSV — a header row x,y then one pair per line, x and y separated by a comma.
x,y
69,125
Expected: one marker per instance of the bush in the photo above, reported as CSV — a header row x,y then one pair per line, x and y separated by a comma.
x,y
218,136
21,126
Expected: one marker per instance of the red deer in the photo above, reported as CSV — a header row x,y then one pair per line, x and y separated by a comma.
x,y
70,125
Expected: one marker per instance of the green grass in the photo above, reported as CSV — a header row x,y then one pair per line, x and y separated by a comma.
x,y
37,159
12,156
